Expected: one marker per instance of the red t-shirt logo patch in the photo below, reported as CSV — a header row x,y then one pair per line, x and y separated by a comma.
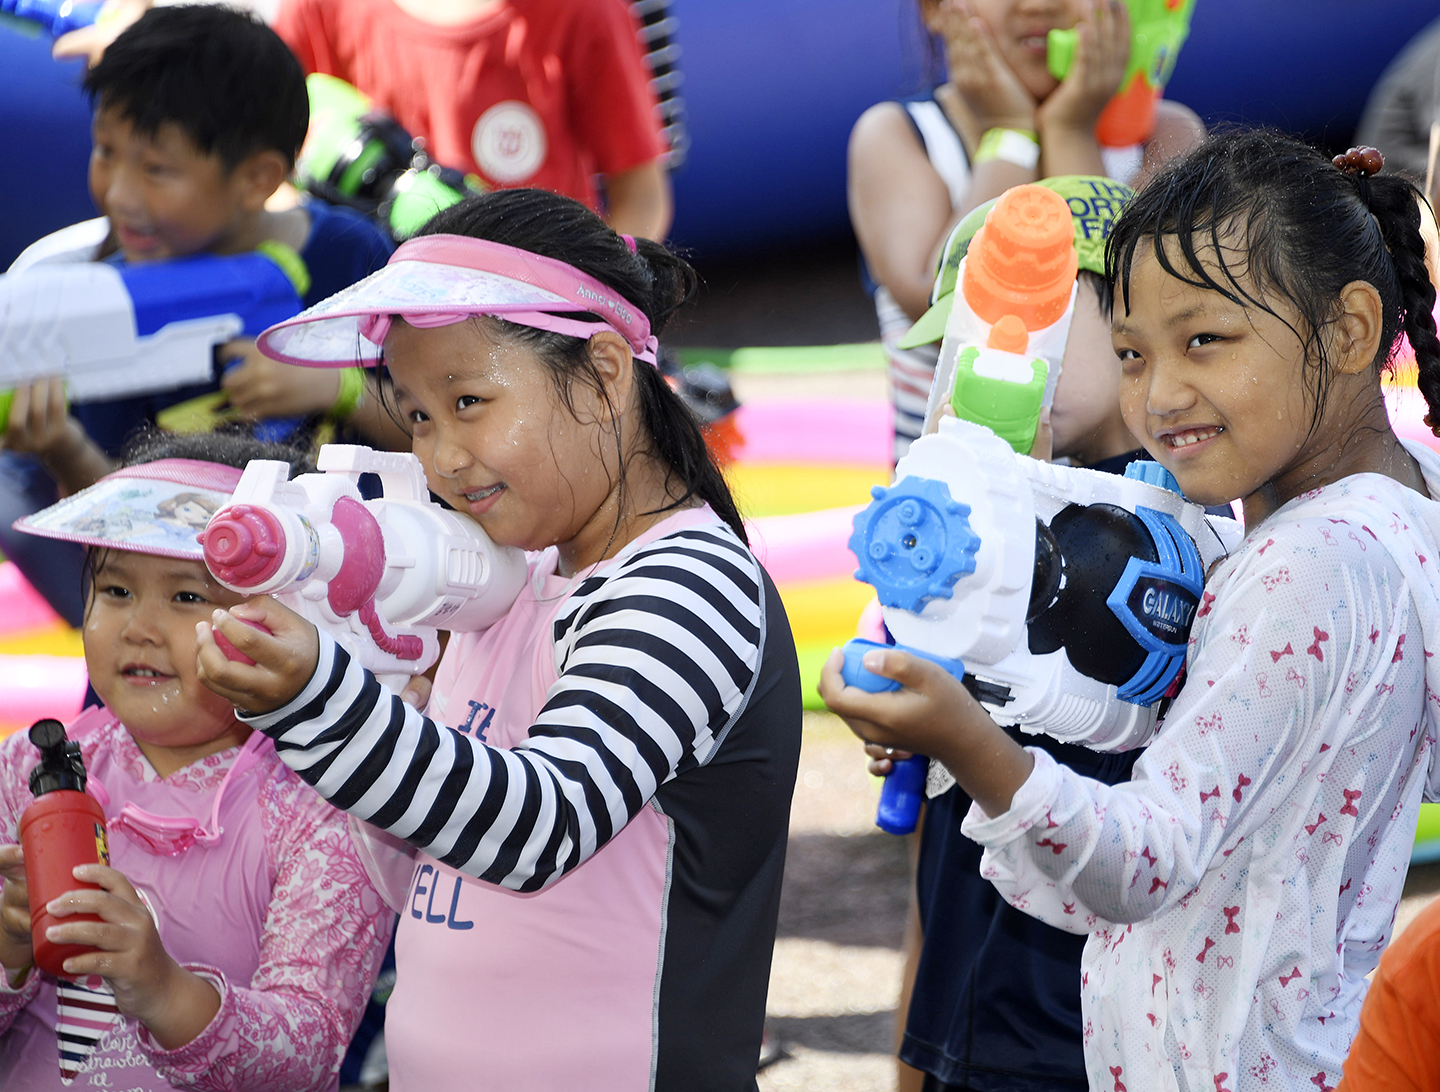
x,y
509,142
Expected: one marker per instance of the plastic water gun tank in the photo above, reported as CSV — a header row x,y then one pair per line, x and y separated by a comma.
x,y
1017,283
1158,28
381,576
117,332
355,154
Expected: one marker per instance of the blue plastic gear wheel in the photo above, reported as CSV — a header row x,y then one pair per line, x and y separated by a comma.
x,y
1152,473
913,542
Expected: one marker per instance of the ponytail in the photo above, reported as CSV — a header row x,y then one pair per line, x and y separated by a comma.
x,y
1397,211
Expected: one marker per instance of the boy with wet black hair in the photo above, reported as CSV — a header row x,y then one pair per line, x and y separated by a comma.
x,y
200,112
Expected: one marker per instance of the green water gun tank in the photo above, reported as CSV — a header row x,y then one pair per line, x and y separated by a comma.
x,y
359,156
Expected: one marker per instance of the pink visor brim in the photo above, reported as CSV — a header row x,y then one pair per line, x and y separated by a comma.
x,y
152,508
440,279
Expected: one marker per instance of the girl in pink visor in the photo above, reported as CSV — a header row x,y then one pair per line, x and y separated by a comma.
x,y
598,792
238,935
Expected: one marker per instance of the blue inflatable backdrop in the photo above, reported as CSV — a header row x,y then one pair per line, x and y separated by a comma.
x,y
771,90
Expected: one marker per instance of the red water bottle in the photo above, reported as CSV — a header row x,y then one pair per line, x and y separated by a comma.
x,y
63,828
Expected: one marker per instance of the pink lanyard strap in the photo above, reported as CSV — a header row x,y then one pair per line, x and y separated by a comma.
x,y
168,835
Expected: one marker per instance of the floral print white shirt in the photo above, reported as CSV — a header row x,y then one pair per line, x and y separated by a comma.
x,y
1240,887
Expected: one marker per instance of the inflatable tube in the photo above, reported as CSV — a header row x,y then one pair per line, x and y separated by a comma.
x,y
1427,835
46,123
21,606
821,431
772,88
40,686
766,159
805,547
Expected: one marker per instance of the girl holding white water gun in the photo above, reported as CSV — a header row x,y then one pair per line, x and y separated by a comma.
x,y
1237,891
237,935
599,838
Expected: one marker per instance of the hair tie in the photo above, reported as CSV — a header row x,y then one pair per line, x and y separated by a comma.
x,y
1360,162
630,239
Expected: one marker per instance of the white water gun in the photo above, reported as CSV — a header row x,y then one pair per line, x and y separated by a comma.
x,y
1062,597
380,576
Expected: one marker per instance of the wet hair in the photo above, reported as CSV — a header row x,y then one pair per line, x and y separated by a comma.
x,y
1101,287
226,448
654,279
1258,216
224,77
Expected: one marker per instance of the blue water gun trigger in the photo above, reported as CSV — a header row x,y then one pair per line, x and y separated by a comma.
x,y
904,789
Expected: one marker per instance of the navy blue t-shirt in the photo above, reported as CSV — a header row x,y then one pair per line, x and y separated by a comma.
x,y
341,248
996,1002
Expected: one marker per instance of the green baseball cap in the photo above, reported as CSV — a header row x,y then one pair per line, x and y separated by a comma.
x,y
1094,203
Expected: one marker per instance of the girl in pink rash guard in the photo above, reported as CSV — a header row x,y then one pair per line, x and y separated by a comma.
x,y
239,934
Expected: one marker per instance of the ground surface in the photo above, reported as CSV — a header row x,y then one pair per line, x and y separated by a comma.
x,y
836,977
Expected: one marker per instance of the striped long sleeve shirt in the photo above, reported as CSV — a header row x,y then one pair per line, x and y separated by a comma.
x,y
642,717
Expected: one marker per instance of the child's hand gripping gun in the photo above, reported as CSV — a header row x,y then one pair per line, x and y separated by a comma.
x,y
117,332
357,155
54,17
380,576
1061,597
1158,28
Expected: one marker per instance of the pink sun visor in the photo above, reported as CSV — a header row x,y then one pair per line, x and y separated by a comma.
x,y
150,508
437,280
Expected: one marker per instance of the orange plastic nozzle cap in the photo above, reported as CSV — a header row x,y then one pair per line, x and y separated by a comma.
x,y
1023,262
1009,334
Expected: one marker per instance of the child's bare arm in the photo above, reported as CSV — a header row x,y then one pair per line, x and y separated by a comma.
x,y
260,387
1066,119
932,715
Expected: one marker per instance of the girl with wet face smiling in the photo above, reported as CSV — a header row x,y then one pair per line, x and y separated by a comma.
x,y
599,796
1239,888
237,934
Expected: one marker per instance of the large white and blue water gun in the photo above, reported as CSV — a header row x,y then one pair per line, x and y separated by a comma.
x,y
1061,597
119,331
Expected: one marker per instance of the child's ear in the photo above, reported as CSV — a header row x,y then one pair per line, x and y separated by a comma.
x,y
1357,328
615,365
258,176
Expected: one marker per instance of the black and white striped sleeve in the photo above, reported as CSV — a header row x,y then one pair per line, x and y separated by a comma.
x,y
656,660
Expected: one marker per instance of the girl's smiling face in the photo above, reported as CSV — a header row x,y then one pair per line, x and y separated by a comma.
x,y
140,653
497,441
1215,391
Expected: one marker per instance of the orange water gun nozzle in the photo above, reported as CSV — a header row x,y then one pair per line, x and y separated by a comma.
x,y
1023,261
